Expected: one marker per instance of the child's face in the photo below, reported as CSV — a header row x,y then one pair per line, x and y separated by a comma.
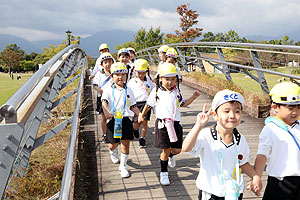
x,y
123,58
106,64
104,51
228,115
171,60
131,55
162,56
140,75
287,113
119,79
168,82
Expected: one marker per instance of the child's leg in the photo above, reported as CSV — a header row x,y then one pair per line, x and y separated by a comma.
x,y
113,151
103,123
172,161
144,128
136,127
164,176
124,157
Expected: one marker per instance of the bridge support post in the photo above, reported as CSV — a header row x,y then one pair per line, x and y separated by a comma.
x,y
182,59
261,78
10,137
225,67
200,63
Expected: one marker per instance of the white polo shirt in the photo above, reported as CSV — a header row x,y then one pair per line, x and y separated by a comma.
x,y
207,147
141,90
102,80
167,104
98,66
119,99
281,150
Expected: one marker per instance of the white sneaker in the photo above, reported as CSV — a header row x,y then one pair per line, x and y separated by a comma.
x,y
114,156
124,172
172,162
164,178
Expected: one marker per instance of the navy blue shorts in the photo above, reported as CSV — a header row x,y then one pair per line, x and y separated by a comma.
x,y
127,130
162,139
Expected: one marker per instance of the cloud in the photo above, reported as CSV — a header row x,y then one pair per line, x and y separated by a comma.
x,y
31,34
167,21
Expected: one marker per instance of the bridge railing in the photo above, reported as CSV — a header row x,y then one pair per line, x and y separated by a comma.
x,y
195,53
22,114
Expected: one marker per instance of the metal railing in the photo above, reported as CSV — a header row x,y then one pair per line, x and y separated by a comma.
x,y
22,114
197,54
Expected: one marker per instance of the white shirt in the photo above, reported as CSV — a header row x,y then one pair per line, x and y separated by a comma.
x,y
98,66
102,80
207,147
141,90
281,150
167,104
118,99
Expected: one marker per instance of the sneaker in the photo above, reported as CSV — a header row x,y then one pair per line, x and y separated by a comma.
x,y
103,139
114,156
164,178
142,143
172,162
136,133
124,172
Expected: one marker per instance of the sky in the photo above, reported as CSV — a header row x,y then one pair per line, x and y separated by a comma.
x,y
37,20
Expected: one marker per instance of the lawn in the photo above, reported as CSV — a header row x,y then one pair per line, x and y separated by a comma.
x,y
246,82
8,86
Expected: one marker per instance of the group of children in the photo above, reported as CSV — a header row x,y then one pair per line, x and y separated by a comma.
x,y
126,95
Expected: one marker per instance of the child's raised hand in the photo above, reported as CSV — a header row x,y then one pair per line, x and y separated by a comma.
x,y
202,118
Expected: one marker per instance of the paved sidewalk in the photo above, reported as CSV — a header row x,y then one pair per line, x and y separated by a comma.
x,y
144,164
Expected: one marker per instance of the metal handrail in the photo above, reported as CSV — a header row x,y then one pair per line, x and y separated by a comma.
x,y
12,104
68,169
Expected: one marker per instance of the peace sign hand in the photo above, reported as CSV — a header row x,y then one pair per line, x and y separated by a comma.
x,y
202,118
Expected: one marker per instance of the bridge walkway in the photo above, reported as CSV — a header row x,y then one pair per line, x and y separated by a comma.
x,y
98,177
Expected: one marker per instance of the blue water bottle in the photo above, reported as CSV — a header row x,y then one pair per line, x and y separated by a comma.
x,y
118,125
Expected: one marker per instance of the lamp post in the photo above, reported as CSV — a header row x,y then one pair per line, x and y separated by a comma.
x,y
68,32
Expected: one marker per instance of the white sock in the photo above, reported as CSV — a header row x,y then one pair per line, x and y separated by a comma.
x,y
124,158
115,151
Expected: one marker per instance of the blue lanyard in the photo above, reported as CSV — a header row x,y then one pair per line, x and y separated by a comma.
x,y
113,93
280,124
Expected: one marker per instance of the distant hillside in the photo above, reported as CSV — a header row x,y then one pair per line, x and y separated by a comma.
x,y
91,44
27,46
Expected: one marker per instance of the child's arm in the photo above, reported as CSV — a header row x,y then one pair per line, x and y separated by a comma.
x,y
106,112
98,89
191,99
143,113
260,163
190,140
255,184
138,113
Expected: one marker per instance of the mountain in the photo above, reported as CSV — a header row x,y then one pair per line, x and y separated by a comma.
x,y
89,44
27,46
294,35
116,37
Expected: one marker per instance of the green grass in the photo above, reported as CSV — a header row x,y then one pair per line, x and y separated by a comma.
x,y
8,86
245,82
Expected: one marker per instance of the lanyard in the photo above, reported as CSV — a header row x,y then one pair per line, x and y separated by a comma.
x,y
113,93
280,124
221,157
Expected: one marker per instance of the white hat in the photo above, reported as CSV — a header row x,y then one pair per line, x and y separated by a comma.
x,y
225,96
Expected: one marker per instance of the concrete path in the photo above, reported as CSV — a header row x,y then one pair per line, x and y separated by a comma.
x,y
144,164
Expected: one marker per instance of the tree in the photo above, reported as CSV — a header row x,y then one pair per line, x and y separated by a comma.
x,y
125,45
231,36
144,39
11,56
188,18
